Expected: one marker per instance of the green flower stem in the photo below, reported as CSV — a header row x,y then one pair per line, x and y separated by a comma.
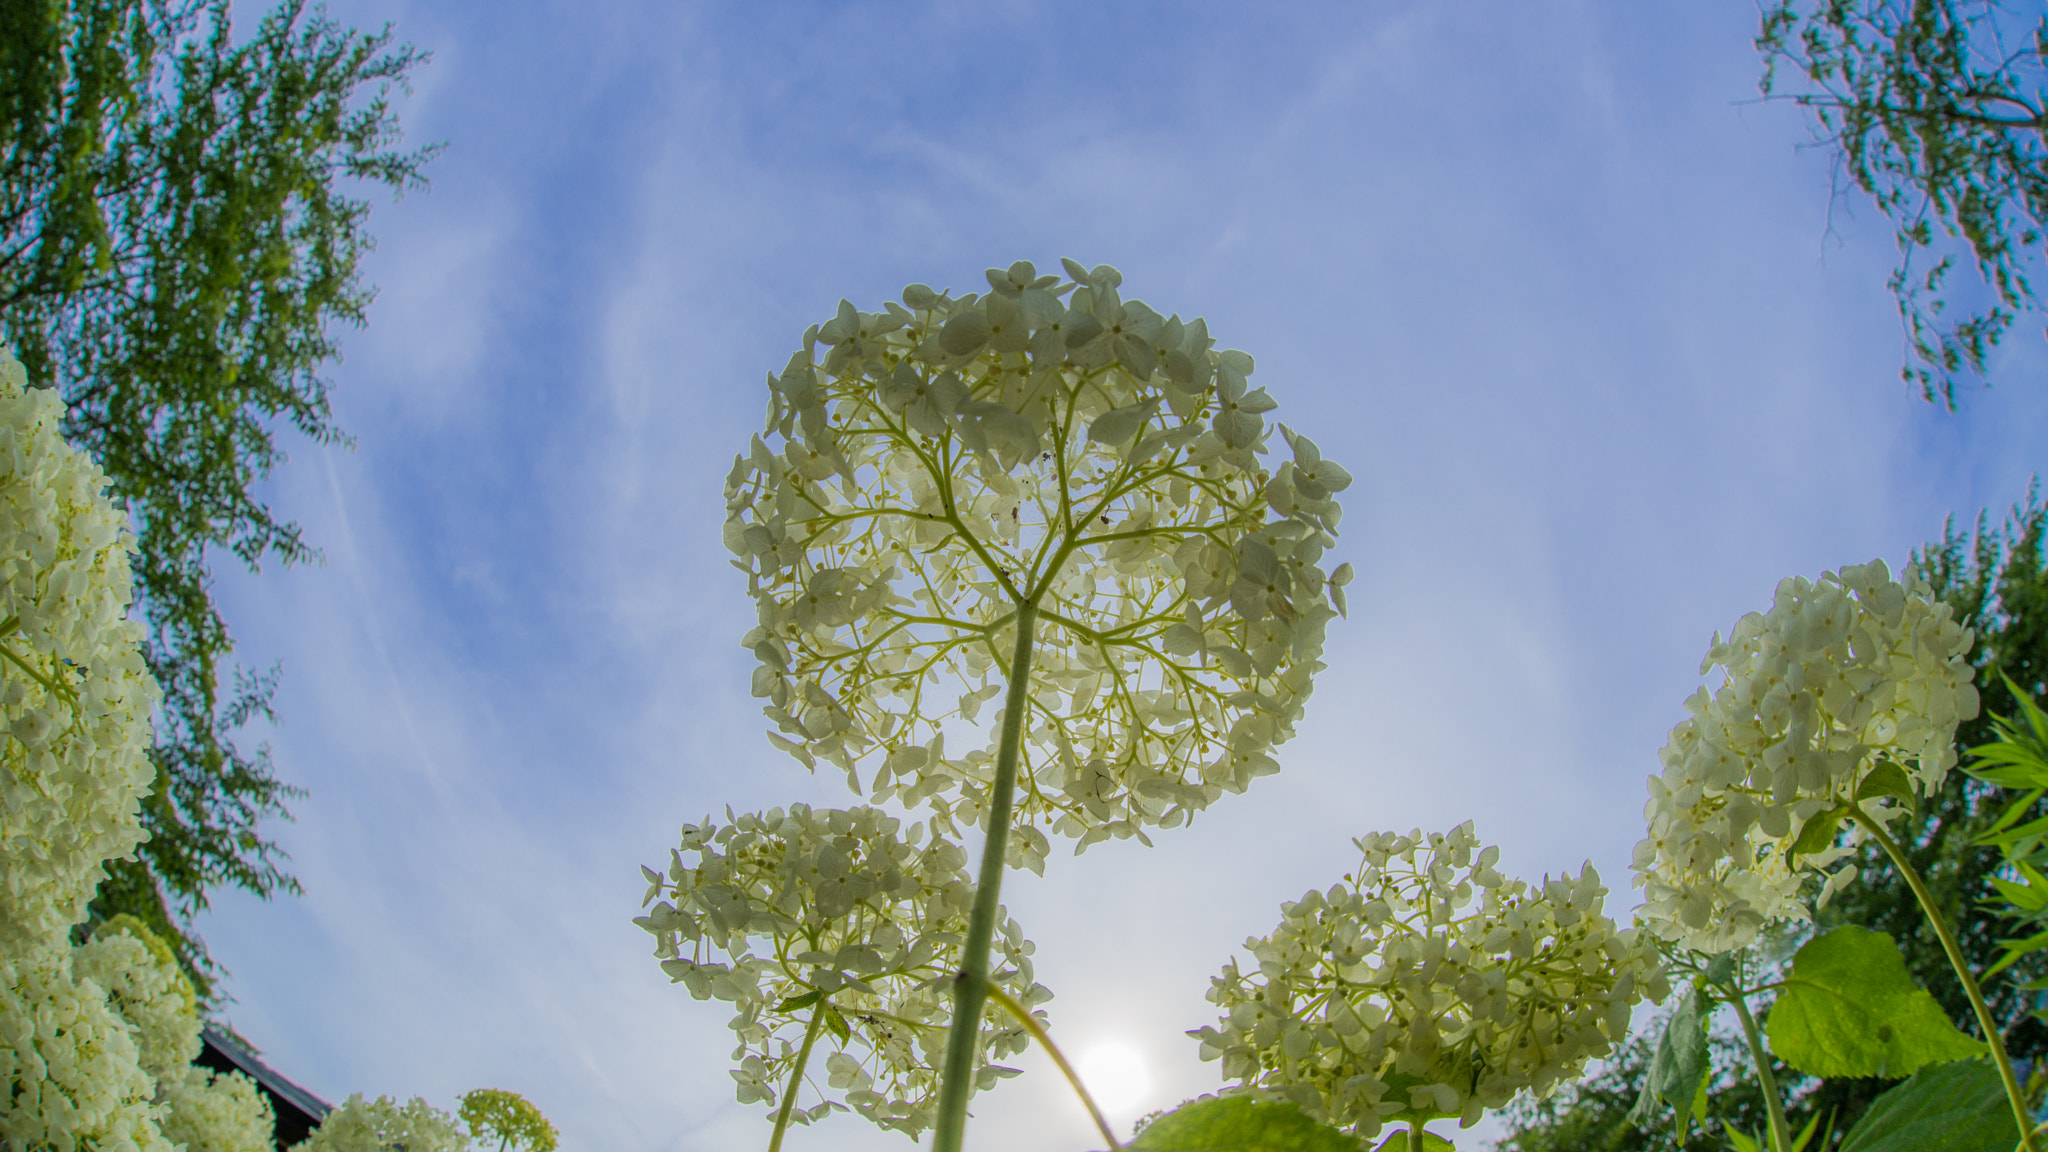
x,y
1416,1137
1781,1132
1992,1034
971,989
796,1075
1009,1004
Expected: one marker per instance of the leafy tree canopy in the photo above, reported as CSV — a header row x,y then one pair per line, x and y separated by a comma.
x,y
177,244
1938,110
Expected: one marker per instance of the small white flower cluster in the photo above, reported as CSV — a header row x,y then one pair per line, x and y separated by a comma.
x,y
70,1075
384,1125
832,923
197,1108
1047,443
1427,985
75,696
1839,680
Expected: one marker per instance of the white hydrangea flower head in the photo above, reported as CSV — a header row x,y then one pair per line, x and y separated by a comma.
x,y
70,1077
834,914
1848,690
1429,985
75,696
208,1111
384,1125
1048,443
145,988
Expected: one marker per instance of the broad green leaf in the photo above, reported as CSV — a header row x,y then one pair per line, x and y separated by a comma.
x,y
1678,1069
1958,1107
1888,779
836,1024
803,1001
1817,834
1240,1124
1721,969
1431,1142
1849,1009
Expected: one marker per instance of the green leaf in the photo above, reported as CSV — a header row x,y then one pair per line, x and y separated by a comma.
x,y
1888,779
796,1002
1431,1142
1240,1124
1678,1071
1958,1107
836,1024
1850,1009
1817,834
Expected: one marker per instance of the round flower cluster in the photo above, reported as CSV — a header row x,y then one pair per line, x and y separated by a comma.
x,y
145,988
217,1112
75,696
837,929
199,1108
1847,691
1052,445
384,1125
69,1071
1428,985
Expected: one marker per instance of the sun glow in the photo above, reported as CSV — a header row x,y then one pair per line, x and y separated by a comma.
x,y
1115,1074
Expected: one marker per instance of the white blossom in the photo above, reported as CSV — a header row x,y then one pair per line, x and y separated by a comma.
x,y
1848,690
210,1111
146,989
1429,985
70,1074
75,697
833,914
950,459
385,1125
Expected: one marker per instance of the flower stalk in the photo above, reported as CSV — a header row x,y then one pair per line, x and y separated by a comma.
x,y
971,989
1993,1035
796,1076
1008,1003
1774,1101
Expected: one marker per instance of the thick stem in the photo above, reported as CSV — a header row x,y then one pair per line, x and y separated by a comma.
x,y
796,1076
970,991
1992,1034
1008,1003
1781,1132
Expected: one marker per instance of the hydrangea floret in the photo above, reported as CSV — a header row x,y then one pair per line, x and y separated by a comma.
x,y
834,927
1429,985
74,692
1048,455
1844,696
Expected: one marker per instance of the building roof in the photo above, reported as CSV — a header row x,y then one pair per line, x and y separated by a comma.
x,y
298,1111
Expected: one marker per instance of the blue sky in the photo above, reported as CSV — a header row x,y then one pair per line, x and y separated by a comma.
x,y
1573,308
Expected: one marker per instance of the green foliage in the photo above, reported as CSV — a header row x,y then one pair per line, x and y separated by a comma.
x,y
2018,761
1959,1107
1848,1008
1936,109
1240,1124
174,253
1677,1074
508,1118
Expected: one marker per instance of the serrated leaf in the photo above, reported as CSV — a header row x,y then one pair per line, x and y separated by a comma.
x,y
1817,834
1957,1107
1849,1008
1240,1124
1677,1074
1888,779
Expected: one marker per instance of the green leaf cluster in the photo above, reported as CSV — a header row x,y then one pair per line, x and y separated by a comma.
x,y
176,252
1848,1008
1937,111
